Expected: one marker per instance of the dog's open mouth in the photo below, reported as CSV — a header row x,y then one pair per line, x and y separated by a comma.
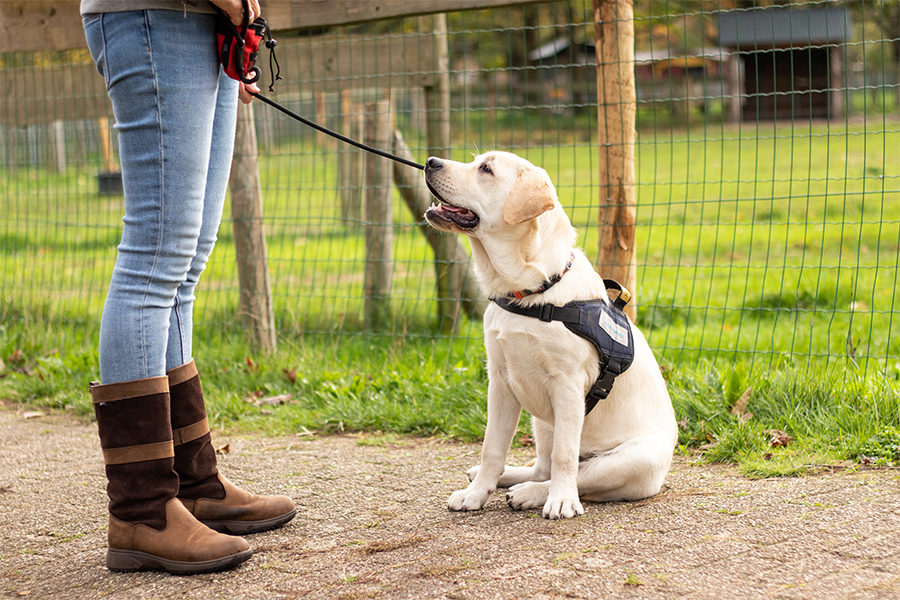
x,y
443,213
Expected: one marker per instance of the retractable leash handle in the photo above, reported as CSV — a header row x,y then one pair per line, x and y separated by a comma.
x,y
238,49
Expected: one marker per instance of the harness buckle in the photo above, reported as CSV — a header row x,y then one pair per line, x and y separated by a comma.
x,y
546,313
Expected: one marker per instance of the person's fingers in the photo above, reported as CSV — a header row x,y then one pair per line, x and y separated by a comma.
x,y
234,10
255,10
245,92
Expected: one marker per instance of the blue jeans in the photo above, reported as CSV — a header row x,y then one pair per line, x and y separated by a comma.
x,y
175,114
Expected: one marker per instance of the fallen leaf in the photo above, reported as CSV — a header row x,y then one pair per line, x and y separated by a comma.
x,y
291,374
740,407
226,449
32,414
526,440
683,424
778,438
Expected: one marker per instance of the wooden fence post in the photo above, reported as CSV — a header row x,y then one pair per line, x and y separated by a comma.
x,y
378,216
614,39
350,172
257,315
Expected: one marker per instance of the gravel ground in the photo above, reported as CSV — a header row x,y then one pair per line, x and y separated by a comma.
x,y
372,523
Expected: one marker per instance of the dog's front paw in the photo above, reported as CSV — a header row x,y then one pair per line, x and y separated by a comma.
x,y
468,499
473,472
528,495
563,508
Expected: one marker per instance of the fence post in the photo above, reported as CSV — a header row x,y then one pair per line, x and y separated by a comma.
x,y
614,40
257,315
378,216
350,161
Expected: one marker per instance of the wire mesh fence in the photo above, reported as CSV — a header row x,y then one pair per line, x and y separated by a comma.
x,y
767,175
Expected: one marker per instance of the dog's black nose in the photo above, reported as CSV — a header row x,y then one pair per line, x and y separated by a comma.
x,y
433,164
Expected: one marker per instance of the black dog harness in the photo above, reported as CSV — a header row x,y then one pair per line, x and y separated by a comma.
x,y
604,324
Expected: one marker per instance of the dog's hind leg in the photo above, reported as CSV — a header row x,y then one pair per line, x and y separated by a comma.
x,y
632,471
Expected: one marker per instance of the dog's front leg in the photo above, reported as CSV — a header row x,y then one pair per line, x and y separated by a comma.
x,y
559,495
503,418
562,497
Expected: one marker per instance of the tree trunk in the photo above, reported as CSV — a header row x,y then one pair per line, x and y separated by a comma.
x,y
455,269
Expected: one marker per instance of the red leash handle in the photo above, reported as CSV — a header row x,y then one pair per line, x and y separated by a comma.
x,y
238,49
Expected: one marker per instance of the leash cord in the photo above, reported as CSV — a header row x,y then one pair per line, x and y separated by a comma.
x,y
337,135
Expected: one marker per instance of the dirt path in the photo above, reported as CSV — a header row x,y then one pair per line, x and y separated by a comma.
x,y
372,523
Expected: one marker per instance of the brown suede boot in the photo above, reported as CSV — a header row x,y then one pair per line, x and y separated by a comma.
x,y
149,528
211,498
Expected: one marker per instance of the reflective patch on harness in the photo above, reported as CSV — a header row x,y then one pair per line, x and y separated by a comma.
x,y
618,333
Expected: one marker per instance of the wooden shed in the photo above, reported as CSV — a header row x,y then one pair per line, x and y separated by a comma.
x,y
791,61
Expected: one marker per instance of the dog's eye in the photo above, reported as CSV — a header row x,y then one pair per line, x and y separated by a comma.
x,y
484,168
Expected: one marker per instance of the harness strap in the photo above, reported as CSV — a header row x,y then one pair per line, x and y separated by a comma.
x,y
610,366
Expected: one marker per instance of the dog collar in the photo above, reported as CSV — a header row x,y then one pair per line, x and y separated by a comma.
x,y
544,286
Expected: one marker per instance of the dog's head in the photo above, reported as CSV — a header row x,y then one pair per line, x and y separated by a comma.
x,y
496,189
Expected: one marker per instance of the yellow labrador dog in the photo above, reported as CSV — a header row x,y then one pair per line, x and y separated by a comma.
x,y
523,245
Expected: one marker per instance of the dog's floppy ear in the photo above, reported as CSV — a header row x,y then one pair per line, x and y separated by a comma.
x,y
531,196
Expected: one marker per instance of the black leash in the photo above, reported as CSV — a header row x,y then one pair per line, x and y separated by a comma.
x,y
337,135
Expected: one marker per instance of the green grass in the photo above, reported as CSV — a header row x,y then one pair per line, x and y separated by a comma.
x,y
767,259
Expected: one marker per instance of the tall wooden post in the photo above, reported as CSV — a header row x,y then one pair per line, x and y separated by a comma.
x,y
378,216
836,82
350,175
257,315
614,38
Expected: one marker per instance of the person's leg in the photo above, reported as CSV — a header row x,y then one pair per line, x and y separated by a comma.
x,y
209,496
181,325
163,85
162,74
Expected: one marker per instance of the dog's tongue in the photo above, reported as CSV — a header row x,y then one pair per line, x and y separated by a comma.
x,y
455,209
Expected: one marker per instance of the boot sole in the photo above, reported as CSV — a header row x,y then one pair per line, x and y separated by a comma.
x,y
245,527
133,560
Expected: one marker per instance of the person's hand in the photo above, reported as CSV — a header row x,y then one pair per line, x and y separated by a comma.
x,y
244,92
234,10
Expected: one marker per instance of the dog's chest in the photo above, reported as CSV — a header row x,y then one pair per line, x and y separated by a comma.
x,y
538,360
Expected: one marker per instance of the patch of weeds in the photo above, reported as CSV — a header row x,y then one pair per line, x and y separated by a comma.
x,y
632,580
883,448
